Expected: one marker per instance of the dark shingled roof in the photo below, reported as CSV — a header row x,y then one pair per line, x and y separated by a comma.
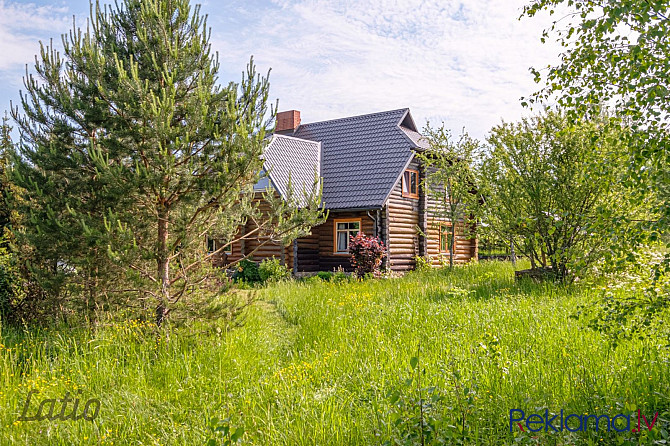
x,y
362,156
296,160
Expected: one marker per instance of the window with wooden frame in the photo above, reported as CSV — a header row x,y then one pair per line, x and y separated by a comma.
x,y
410,183
213,245
228,249
446,239
343,229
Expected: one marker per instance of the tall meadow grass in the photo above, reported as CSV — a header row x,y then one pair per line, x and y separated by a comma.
x,y
315,362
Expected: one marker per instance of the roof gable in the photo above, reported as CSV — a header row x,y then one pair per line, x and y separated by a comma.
x,y
408,122
417,138
287,159
362,156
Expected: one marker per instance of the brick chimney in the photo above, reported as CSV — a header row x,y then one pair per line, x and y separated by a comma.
x,y
287,121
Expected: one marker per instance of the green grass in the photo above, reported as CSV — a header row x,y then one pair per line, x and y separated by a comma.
x,y
314,363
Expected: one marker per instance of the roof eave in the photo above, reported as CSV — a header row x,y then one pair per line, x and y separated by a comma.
x,y
405,135
411,158
355,209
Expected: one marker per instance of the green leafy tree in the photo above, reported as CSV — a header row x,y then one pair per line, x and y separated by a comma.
x,y
450,181
614,50
132,152
554,189
616,53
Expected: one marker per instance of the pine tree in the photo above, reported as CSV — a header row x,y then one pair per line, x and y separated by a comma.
x,y
132,151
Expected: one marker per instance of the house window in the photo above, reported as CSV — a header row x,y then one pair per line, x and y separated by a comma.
x,y
410,184
446,240
212,246
228,249
343,230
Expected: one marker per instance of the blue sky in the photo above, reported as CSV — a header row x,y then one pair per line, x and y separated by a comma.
x,y
464,63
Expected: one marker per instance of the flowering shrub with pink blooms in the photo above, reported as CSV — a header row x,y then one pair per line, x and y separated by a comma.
x,y
367,254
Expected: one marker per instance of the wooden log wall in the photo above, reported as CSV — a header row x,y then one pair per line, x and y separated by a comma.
x,y
266,251
308,252
464,248
316,252
403,222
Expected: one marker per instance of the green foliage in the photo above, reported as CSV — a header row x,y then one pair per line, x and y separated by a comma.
x,y
632,303
9,277
446,262
316,361
22,300
247,271
615,53
423,264
222,434
456,293
415,416
451,180
491,243
268,271
272,270
132,150
554,190
337,276
11,291
6,187
340,276
326,276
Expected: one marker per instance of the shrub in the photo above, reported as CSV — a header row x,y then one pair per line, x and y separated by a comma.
x,y
366,254
311,279
423,263
340,276
337,276
10,284
247,271
272,270
325,276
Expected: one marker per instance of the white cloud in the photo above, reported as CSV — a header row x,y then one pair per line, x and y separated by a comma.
x,y
22,25
465,63
462,62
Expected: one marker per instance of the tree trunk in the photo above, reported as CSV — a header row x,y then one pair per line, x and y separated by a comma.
x,y
532,254
453,245
511,251
163,264
560,268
